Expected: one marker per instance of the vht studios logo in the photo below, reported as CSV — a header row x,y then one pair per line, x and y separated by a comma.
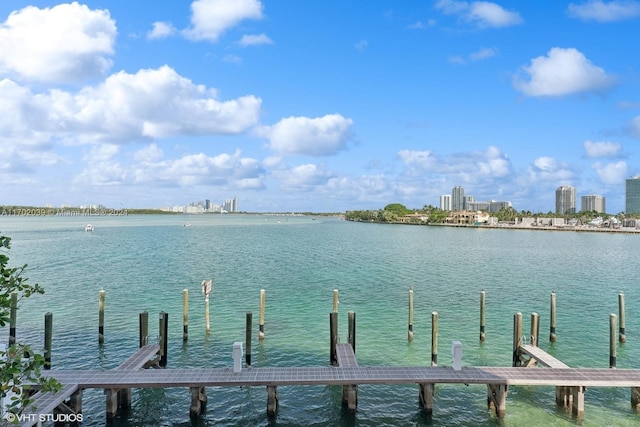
x,y
56,418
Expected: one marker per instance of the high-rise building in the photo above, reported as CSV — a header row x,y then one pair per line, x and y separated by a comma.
x,y
565,200
593,203
445,202
632,199
457,199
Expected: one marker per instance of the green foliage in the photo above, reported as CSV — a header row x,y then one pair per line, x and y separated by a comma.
x,y
17,371
397,209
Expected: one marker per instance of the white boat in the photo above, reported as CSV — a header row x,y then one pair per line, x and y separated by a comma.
x,y
89,227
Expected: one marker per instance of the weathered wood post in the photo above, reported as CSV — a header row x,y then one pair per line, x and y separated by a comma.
x,y
206,291
335,300
261,320
351,334
101,316
410,334
185,314
198,401
163,327
612,340
517,338
434,338
483,296
623,337
272,400
143,321
247,340
13,318
635,398
333,326
535,329
48,337
552,321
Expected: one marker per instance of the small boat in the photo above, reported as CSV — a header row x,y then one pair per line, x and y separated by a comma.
x,y
88,227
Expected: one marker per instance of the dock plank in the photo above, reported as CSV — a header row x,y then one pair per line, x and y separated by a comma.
x,y
346,356
139,359
542,357
45,403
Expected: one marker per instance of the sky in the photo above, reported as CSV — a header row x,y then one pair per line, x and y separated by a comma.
x,y
322,106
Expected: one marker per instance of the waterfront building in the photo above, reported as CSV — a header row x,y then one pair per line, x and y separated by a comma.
x,y
593,203
565,200
632,198
477,206
445,202
457,199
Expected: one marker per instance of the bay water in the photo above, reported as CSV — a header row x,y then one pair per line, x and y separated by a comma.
x,y
143,262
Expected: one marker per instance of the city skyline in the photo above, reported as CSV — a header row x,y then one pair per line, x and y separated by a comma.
x,y
317,107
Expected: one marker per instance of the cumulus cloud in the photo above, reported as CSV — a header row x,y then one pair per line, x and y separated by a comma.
x,y
161,30
255,39
304,136
604,11
479,55
562,72
150,153
602,149
65,43
482,14
548,169
211,18
633,128
303,177
611,173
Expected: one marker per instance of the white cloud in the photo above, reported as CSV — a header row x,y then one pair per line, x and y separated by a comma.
x,y
255,39
602,149
548,169
562,72
102,153
65,43
604,11
482,14
303,136
483,53
611,173
150,153
361,45
633,128
161,30
211,18
303,177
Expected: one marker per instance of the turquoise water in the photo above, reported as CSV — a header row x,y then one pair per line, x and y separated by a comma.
x,y
144,263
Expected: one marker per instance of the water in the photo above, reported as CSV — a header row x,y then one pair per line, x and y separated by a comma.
x,y
144,263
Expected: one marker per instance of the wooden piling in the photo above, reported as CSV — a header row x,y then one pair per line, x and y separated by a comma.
x,y
261,320
247,341
206,291
483,296
272,400
410,334
612,340
635,398
351,335
335,300
13,318
185,314
333,338
48,337
163,327
621,316
143,322
535,329
434,338
517,338
198,401
497,398
101,316
552,317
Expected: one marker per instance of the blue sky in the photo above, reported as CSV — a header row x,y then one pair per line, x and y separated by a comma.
x,y
317,105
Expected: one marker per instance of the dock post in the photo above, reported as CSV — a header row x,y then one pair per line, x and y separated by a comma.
x,y
564,397
612,340
198,401
333,326
517,339
112,402
427,391
635,398
623,337
143,322
13,318
335,301
272,400
163,327
351,334
101,316
185,314
497,398
434,338
552,322
577,407
261,320
48,337
75,401
483,296
410,334
535,329
247,340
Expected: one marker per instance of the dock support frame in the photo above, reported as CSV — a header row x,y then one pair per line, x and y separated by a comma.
x,y
427,390
497,398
